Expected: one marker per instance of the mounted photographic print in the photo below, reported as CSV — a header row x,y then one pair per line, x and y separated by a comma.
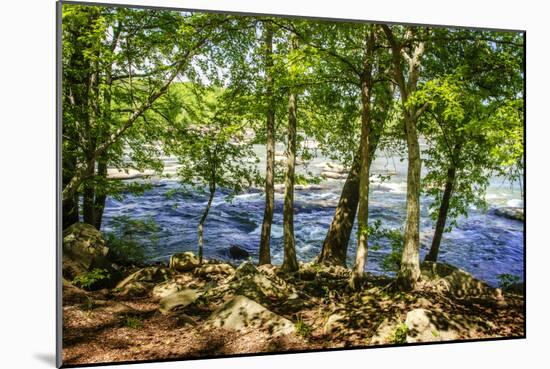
x,y
240,184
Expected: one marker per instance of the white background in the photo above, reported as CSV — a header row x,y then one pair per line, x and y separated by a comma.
x,y
27,180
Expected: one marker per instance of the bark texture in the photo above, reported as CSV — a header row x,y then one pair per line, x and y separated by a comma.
x,y
290,263
363,211
265,237
442,215
203,219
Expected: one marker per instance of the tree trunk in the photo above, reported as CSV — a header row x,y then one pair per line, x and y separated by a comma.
x,y
88,193
335,245
70,214
290,263
363,210
100,198
442,215
203,219
265,253
409,272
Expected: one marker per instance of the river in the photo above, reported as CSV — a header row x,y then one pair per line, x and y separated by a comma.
x,y
484,244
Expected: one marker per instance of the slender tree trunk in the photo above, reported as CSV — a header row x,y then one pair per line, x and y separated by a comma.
x,y
100,198
203,219
409,272
363,210
290,263
70,214
88,198
265,238
442,215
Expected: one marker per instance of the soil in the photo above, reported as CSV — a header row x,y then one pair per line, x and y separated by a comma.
x,y
103,326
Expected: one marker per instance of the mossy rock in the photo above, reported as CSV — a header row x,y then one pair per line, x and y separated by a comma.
x,y
179,300
456,282
167,288
84,245
149,275
184,261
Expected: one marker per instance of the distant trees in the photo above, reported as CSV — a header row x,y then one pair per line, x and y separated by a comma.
x,y
139,84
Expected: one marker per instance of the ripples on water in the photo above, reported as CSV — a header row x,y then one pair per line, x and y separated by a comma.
x,y
483,244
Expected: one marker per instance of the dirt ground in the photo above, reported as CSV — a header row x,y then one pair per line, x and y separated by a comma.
x,y
101,327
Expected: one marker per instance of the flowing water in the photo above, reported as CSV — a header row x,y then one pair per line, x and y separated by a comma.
x,y
483,244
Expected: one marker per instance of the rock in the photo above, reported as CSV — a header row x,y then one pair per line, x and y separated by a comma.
x,y
208,270
71,268
149,275
184,261
245,269
456,282
179,299
312,270
308,187
236,252
249,281
72,294
124,174
334,175
134,289
511,213
421,327
166,288
85,246
385,332
334,167
241,312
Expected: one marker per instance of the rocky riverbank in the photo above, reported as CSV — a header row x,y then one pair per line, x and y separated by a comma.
x,y
185,310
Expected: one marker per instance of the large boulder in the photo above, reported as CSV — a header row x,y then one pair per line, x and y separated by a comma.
x,y
241,313
83,249
511,213
423,327
167,288
142,281
456,282
184,261
179,299
237,252
259,286
385,332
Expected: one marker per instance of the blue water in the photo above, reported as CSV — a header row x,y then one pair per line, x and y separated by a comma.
x,y
483,244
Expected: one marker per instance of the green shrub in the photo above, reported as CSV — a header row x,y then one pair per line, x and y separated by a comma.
x,y
400,334
507,280
392,261
301,328
132,322
129,238
92,280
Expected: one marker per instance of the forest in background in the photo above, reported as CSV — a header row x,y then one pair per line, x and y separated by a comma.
x,y
140,85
